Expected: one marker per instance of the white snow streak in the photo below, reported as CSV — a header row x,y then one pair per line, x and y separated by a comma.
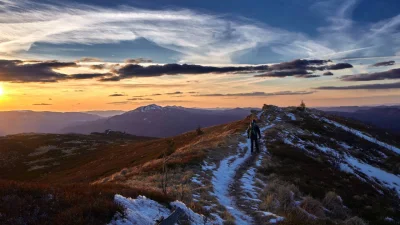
x,y
361,135
386,179
222,179
291,116
248,184
140,211
144,211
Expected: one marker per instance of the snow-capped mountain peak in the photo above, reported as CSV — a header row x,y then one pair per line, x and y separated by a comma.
x,y
152,107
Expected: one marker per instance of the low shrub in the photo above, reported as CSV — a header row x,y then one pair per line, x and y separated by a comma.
x,y
354,221
334,204
313,207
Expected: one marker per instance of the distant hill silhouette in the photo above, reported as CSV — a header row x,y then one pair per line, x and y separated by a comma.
x,y
382,117
14,122
157,121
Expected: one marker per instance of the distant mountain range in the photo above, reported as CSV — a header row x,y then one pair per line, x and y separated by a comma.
x,y
157,121
385,117
14,122
355,108
105,113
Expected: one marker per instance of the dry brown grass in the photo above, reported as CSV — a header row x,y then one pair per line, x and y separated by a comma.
x,y
313,207
354,221
42,204
279,196
334,204
315,178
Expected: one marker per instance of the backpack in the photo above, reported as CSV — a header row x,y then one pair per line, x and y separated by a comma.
x,y
252,130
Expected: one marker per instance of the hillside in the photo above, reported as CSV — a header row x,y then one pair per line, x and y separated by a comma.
x,y
382,117
314,168
157,121
15,122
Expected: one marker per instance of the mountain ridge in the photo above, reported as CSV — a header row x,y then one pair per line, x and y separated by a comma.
x,y
313,168
169,120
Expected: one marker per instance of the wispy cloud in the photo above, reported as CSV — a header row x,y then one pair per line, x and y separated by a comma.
x,y
138,60
41,104
255,94
98,67
140,99
118,103
365,87
175,93
117,95
284,73
199,37
89,59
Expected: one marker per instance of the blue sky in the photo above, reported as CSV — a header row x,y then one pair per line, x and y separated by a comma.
x,y
212,32
208,35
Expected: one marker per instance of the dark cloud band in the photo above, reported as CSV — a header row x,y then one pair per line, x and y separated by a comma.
x,y
386,63
361,87
134,70
385,75
255,94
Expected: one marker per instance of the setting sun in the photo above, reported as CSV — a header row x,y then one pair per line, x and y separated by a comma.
x,y
1,91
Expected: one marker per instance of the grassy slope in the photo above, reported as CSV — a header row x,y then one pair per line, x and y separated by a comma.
x,y
138,160
41,204
315,177
24,195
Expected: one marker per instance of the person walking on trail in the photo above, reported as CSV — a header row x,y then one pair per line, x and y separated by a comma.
x,y
254,133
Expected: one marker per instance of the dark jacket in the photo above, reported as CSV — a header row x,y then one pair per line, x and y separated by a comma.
x,y
253,131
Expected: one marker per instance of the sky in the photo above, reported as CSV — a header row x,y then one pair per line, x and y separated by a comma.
x,y
118,55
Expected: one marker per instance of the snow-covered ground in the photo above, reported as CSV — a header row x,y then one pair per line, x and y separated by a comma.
x,y
223,178
248,184
386,179
138,211
144,211
363,136
291,116
349,164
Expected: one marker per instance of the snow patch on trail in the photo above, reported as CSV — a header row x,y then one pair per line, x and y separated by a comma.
x,y
363,136
262,129
273,220
223,178
195,179
139,211
207,166
291,116
248,184
144,211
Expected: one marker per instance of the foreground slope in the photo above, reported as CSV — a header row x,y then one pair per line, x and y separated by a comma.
x,y
47,177
313,169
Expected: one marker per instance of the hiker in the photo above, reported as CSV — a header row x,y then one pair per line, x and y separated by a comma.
x,y
254,133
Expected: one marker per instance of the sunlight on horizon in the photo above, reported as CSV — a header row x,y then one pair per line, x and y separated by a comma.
x,y
1,90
